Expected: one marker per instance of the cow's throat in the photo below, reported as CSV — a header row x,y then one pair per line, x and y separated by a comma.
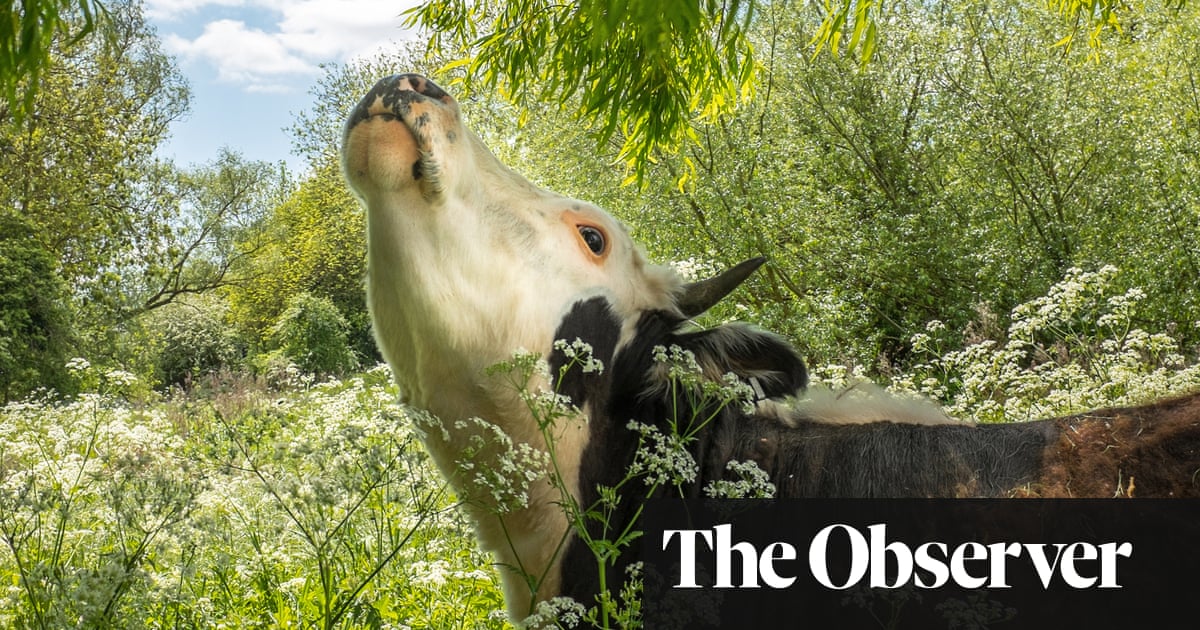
x,y
519,517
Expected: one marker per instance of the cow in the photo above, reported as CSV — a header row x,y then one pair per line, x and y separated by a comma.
x,y
469,262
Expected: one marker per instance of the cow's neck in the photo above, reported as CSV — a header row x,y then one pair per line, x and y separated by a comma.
x,y
517,536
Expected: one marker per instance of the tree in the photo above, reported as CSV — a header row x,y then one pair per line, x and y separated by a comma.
x,y
644,71
35,327
961,173
74,165
128,232
209,220
73,168
313,242
641,70
27,37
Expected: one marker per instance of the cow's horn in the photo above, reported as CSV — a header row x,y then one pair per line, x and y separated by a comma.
x,y
700,296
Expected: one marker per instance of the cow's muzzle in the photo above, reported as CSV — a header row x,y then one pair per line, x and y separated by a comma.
x,y
396,95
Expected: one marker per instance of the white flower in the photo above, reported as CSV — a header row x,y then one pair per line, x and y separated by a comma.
x,y
560,612
120,378
662,458
78,365
753,483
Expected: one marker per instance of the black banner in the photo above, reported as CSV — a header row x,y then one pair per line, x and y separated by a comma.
x,y
937,563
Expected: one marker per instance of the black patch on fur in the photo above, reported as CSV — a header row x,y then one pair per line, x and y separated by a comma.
x,y
593,322
398,92
610,450
417,170
749,353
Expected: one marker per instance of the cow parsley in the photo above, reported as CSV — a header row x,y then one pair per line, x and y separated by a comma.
x,y
662,458
559,612
579,352
1077,347
511,468
752,483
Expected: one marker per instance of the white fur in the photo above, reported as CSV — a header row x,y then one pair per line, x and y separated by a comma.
x,y
466,265
863,402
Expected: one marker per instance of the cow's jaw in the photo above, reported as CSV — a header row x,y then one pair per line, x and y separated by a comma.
x,y
453,239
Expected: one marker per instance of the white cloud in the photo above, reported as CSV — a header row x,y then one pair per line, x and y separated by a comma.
x,y
241,54
342,30
271,54
170,10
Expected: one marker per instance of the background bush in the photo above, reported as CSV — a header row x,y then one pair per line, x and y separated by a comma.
x,y
312,333
195,338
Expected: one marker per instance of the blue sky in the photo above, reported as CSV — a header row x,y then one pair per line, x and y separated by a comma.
x,y
252,63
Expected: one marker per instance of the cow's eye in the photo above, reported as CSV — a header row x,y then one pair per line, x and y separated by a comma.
x,y
593,238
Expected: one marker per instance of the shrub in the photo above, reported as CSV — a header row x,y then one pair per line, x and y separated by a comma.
x,y
313,334
195,339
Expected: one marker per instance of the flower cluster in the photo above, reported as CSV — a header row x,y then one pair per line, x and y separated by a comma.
x,y
310,508
496,469
580,352
1073,349
662,458
683,372
558,612
752,483
693,269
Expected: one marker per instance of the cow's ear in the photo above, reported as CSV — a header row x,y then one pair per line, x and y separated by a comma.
x,y
775,367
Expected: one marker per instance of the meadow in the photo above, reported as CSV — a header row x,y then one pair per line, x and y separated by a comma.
x,y
302,505
281,501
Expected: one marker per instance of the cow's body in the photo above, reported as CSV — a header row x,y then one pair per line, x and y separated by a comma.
x,y
469,262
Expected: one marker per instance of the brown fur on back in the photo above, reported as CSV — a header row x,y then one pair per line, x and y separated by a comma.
x,y
1147,451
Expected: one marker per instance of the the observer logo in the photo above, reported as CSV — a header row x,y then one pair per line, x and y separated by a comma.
x,y
921,564
890,564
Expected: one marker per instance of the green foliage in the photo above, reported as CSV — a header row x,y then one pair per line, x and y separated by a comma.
x,y
856,22
311,332
27,36
35,328
676,62
78,177
205,223
128,233
312,242
962,172
80,171
693,61
194,338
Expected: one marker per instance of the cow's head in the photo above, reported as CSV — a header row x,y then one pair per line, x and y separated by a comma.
x,y
469,262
